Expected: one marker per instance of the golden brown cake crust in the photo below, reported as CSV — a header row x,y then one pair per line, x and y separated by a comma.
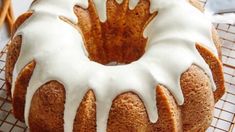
x,y
46,112
128,112
18,100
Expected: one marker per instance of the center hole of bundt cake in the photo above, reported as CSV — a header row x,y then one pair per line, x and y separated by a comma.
x,y
117,41
115,47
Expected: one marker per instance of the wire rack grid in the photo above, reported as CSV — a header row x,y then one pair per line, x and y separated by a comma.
x,y
7,120
224,114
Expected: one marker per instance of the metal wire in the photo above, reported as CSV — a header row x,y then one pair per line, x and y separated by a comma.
x,y
7,120
224,114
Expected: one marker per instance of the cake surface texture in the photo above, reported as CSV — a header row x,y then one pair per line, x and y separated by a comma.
x,y
114,65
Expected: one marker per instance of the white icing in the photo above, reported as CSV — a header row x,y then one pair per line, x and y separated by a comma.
x,y
101,6
58,50
119,1
101,9
133,4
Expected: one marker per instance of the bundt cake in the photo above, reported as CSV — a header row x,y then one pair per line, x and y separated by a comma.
x,y
114,65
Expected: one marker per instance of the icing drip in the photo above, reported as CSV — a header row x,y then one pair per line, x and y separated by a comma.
x,y
101,6
101,9
55,47
133,4
59,7
119,1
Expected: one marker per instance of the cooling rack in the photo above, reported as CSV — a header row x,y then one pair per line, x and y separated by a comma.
x,y
224,114
7,120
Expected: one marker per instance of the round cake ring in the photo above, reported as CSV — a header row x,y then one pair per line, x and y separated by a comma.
x,y
166,33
